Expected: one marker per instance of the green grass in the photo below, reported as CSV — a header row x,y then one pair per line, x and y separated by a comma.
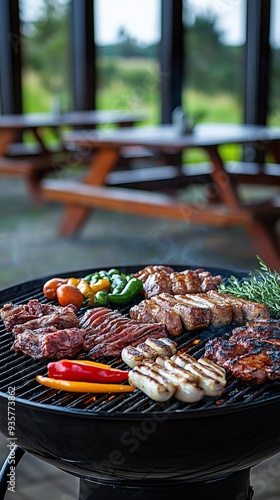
x,y
145,95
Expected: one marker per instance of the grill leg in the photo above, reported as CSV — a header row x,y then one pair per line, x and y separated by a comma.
x,y
233,487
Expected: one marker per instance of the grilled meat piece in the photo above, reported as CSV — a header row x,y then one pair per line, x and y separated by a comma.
x,y
160,279
208,282
250,360
220,313
193,316
63,317
185,282
237,312
48,342
251,310
148,270
108,332
157,283
275,323
131,335
262,332
13,314
150,311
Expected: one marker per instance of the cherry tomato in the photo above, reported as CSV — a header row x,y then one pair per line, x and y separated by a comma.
x,y
69,294
51,286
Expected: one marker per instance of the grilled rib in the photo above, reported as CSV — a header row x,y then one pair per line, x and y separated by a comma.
x,y
194,316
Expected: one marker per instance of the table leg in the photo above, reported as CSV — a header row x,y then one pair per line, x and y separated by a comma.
x,y
223,184
6,137
74,217
265,240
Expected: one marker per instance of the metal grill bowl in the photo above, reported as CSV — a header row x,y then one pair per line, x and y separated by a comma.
x,y
127,438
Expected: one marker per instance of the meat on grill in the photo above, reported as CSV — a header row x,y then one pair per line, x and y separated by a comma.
x,y
12,314
61,318
251,354
196,311
108,332
48,342
160,279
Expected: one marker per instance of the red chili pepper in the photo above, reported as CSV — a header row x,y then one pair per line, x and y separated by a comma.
x,y
86,372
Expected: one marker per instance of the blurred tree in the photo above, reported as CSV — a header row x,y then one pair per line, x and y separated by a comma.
x,y
46,46
210,64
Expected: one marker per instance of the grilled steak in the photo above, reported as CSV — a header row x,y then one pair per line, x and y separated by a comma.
x,y
63,317
160,279
108,332
220,313
150,311
250,310
251,354
193,316
156,283
48,342
13,315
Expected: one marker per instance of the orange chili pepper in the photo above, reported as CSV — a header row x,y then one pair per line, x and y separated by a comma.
x,y
70,386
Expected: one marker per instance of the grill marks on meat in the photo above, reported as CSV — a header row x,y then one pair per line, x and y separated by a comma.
x,y
43,330
197,311
12,314
163,279
49,342
251,354
109,332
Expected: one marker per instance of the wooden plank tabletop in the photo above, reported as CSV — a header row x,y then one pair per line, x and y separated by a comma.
x,y
166,137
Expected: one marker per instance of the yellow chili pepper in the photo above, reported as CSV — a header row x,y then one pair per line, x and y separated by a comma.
x,y
70,386
101,284
73,281
87,292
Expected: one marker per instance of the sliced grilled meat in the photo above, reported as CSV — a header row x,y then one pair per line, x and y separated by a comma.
x,y
131,335
251,310
237,312
150,311
220,314
194,316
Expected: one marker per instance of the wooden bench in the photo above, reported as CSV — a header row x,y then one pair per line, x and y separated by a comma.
x,y
259,220
33,170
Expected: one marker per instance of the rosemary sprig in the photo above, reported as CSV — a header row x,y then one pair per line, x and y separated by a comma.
x,y
262,285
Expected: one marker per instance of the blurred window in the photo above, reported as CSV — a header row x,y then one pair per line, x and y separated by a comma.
x,y
45,28
127,35
214,42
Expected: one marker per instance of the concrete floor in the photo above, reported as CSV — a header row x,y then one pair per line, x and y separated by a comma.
x,y
30,247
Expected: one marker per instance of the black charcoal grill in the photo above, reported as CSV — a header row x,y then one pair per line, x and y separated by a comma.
x,y
126,445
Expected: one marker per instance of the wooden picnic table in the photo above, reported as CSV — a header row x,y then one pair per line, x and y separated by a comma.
x,y
33,161
225,209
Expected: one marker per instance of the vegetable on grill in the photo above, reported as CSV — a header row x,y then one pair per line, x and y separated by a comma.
x,y
69,294
96,288
74,386
66,369
133,287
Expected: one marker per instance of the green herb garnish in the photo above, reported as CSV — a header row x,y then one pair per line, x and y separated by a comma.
x,y
262,285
